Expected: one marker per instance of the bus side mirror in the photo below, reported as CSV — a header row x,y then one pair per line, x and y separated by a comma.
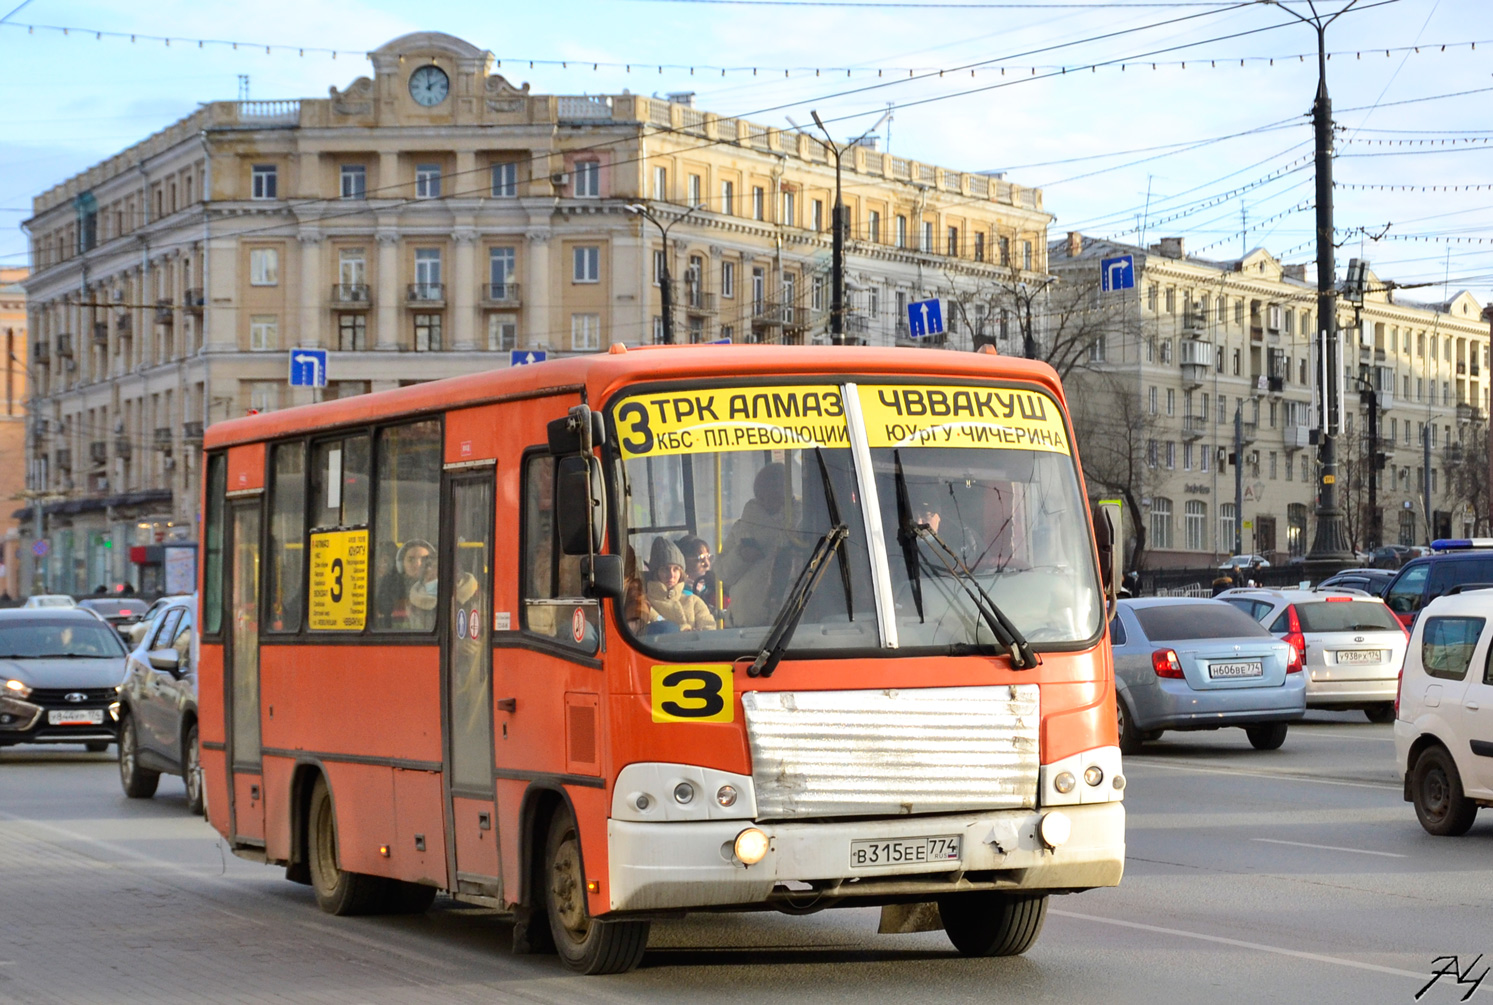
x,y
604,573
1104,539
580,504
579,432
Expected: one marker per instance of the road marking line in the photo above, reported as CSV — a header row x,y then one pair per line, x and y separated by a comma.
x,y
1240,943
1153,763
1331,847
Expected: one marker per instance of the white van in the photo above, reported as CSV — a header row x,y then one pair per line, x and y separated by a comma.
x,y
1444,714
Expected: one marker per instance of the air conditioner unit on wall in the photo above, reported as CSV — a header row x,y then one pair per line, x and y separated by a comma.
x,y
560,179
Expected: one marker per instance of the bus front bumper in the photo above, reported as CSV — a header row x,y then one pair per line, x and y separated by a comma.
x,y
668,866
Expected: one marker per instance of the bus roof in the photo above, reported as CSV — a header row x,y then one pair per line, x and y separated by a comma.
x,y
603,374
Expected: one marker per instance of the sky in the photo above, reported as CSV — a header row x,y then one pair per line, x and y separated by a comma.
x,y
1060,95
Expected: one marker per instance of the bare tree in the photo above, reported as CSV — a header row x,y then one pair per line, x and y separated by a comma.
x,y
1468,473
1115,436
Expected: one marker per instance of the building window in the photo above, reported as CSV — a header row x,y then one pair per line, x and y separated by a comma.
x,y
759,288
1226,526
694,190
658,330
1236,362
1171,300
264,396
979,247
1195,524
427,274
1171,393
728,198
1005,248
587,179
1153,297
505,181
817,213
500,264
1152,454
953,242
264,181
1238,312
816,293
502,333
1152,395
661,184
352,332
1187,457
427,332
790,214
901,231
264,332
1026,255
585,332
873,227
352,274
658,266
790,296
759,203
427,181
1171,455
586,264
873,301
1273,457
927,244
354,181
1161,522
728,279
1205,455
264,267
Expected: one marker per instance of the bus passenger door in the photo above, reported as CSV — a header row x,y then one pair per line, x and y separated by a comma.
x,y
467,685
241,677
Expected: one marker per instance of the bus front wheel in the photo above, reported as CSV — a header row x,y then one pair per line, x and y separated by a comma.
x,y
993,924
337,891
584,944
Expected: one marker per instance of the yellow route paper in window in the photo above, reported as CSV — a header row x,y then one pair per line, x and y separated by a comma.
x,y
925,415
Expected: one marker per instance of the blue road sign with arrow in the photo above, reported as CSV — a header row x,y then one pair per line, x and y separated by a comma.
x,y
308,368
925,317
1117,273
523,357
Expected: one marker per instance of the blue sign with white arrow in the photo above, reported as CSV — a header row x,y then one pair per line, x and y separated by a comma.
x,y
1117,273
523,357
925,317
308,368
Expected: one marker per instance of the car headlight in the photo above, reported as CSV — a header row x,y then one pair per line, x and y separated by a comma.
x,y
18,689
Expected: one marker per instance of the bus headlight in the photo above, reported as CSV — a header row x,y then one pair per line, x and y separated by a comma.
x,y
751,846
1055,828
1064,782
1093,774
726,795
684,793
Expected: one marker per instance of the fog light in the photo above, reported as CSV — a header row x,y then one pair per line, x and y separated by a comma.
x,y
1118,781
1055,829
1064,782
642,801
1093,774
684,792
750,846
726,795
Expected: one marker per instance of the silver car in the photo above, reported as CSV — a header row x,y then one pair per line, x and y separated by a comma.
x,y
158,707
1353,645
1192,664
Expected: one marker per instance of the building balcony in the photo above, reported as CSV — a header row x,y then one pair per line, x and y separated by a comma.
x,y
123,447
1194,323
1249,431
1455,453
1194,426
1195,374
123,325
351,296
426,295
162,438
98,453
193,299
164,313
41,351
697,301
1256,333
65,345
1473,370
500,295
101,333
191,432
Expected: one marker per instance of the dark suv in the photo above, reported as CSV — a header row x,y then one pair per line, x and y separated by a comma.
x,y
60,670
1453,565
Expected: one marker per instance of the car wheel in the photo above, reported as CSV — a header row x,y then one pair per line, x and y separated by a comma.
x,y
585,945
1436,787
1266,737
191,771
337,891
137,782
1130,737
96,746
989,923
1381,713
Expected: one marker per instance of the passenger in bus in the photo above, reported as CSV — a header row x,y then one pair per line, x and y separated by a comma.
x,y
392,600
699,579
760,537
666,592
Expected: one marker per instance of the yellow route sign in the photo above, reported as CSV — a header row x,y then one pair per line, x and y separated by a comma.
x,y
779,417
339,580
921,415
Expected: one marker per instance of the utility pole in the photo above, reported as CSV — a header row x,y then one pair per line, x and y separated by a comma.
x,y
1239,477
1425,480
838,225
665,284
1329,550
1370,397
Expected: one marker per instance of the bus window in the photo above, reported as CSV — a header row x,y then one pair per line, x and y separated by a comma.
x,y
212,550
553,603
406,527
286,573
339,483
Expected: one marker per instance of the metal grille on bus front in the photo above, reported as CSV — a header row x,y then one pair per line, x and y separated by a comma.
x,y
892,752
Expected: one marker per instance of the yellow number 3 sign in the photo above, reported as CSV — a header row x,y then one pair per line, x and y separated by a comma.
x,y
693,693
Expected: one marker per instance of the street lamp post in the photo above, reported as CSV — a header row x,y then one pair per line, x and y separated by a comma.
x,y
838,226
665,284
1024,297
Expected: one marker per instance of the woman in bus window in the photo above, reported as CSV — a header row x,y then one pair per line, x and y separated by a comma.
x,y
410,567
666,592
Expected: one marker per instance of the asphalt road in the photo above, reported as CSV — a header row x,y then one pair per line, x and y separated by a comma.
x,y
1296,875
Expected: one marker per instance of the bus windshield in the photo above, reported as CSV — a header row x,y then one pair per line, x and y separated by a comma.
x,y
725,494
978,491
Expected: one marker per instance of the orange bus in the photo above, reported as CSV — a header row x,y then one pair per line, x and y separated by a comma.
x,y
628,635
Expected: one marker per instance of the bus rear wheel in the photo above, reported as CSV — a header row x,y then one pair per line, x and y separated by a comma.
x,y
993,924
584,944
337,891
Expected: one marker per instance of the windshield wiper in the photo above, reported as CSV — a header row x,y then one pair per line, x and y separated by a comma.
x,y
907,534
833,505
1006,633
793,607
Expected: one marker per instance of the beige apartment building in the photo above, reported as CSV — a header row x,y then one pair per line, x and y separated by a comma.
x,y
13,556
1197,341
424,222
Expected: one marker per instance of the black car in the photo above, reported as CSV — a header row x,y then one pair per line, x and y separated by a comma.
x,y
1370,581
1452,566
158,707
121,612
60,670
